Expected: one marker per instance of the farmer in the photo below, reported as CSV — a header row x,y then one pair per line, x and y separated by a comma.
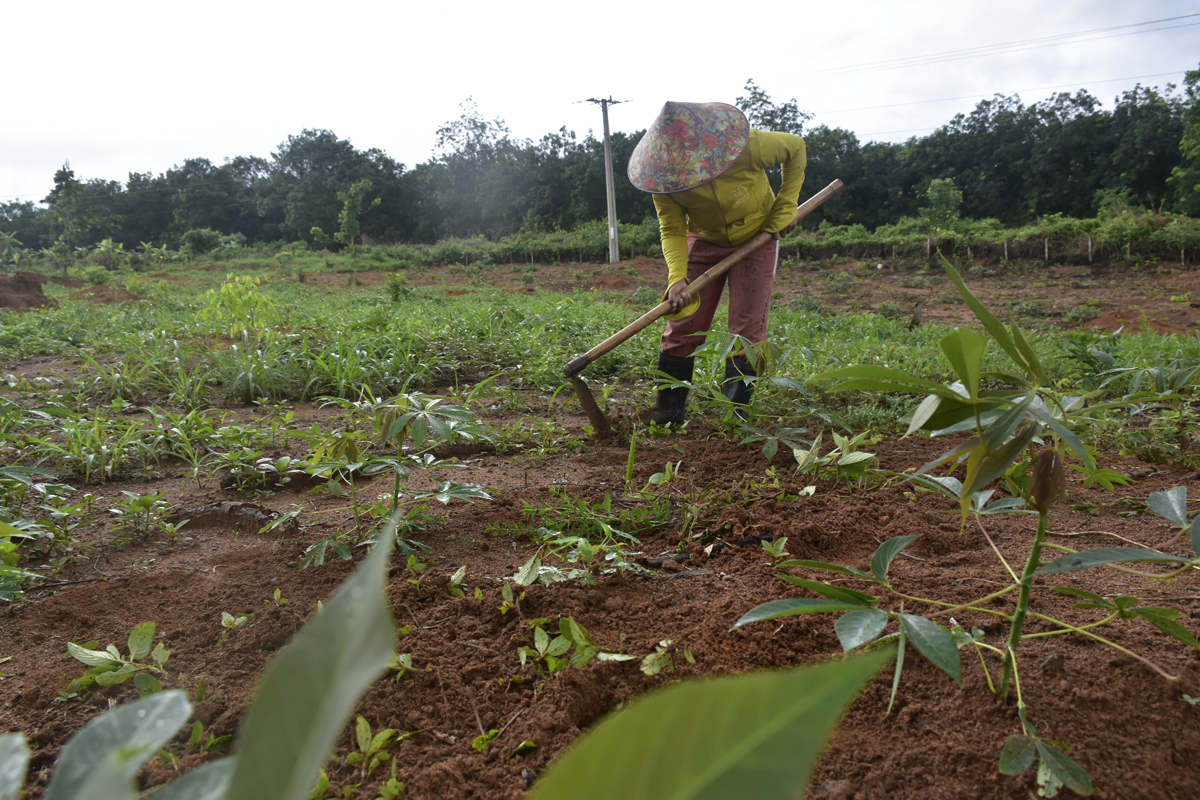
x,y
707,170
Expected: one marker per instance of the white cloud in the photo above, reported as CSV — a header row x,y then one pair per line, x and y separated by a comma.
x,y
131,86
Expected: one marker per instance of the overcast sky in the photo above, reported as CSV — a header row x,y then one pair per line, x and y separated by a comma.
x,y
122,86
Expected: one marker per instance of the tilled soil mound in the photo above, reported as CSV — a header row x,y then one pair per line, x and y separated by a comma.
x,y
22,291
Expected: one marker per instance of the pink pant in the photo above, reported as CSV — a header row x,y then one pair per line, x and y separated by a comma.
x,y
750,285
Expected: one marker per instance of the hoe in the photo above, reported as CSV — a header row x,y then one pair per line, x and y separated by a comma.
x,y
576,366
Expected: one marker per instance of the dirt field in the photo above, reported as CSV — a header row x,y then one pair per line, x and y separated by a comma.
x,y
1130,728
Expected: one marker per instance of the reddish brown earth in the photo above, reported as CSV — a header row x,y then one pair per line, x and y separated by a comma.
x,y
22,291
1130,728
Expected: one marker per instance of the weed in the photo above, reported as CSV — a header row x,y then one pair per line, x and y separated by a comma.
x,y
372,749
109,667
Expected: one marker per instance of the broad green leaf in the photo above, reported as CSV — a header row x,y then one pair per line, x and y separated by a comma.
x,y
120,675
1085,594
838,593
1170,505
921,415
308,690
935,643
800,562
964,349
997,433
1018,754
881,561
1040,411
14,763
949,486
362,732
1068,773
1165,620
1105,555
996,463
93,658
791,607
854,458
953,454
146,684
808,458
990,323
527,575
755,735
558,646
140,641
856,628
206,782
1032,362
104,756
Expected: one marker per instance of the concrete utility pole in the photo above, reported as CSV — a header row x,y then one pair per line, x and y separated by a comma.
x,y
614,250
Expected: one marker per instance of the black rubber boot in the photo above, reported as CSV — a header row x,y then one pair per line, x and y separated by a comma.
x,y
736,389
672,402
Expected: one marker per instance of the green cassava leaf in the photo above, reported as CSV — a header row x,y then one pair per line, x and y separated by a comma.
x,y
996,463
965,349
308,690
935,643
1086,595
755,735
102,759
856,628
1105,555
1171,505
14,763
791,607
881,561
990,323
838,593
1165,620
927,408
206,782
800,562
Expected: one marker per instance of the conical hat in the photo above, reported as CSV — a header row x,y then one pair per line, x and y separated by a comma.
x,y
687,146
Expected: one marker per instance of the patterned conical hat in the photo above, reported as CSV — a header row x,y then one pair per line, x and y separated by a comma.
x,y
687,146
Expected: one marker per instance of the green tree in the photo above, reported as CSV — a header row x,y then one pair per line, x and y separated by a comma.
x,y
349,227
1185,178
944,200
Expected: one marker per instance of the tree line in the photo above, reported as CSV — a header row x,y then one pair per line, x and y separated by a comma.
x,y
1012,162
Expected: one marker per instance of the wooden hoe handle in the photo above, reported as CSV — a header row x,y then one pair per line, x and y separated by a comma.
x,y
576,366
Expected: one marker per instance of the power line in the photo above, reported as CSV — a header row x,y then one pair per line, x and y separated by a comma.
x,y
995,49
1006,92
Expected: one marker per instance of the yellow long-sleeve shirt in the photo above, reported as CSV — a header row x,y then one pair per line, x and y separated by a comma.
x,y
735,205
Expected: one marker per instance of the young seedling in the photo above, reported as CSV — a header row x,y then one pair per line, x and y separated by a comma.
x,y
371,748
232,622
775,549
508,602
455,586
109,667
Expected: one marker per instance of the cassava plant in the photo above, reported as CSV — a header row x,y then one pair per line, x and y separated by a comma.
x,y
1022,430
